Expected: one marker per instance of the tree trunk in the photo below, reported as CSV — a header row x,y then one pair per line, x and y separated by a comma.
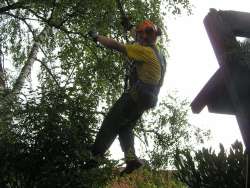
x,y
25,72
2,79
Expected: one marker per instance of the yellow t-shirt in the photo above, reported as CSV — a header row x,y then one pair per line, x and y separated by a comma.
x,y
148,66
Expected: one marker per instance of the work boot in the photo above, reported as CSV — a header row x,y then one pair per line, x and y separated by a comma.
x,y
131,166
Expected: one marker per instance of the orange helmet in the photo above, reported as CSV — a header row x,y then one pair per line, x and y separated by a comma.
x,y
146,24
150,29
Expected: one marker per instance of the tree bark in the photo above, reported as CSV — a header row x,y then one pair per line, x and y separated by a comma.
x,y
18,85
2,79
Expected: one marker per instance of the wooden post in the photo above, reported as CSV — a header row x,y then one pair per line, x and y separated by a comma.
x,y
214,95
247,172
224,44
222,28
2,76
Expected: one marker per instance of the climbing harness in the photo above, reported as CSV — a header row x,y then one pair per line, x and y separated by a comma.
x,y
145,94
163,64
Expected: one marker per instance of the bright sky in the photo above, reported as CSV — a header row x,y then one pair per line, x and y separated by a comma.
x,y
192,62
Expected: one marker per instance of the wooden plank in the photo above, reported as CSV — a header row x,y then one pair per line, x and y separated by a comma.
x,y
238,21
247,172
214,95
224,43
232,84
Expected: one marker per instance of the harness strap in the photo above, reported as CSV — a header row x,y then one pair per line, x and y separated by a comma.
x,y
146,95
162,62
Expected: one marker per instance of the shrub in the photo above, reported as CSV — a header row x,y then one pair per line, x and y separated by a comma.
x,y
146,178
209,170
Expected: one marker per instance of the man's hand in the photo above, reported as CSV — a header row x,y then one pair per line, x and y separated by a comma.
x,y
111,43
93,35
107,42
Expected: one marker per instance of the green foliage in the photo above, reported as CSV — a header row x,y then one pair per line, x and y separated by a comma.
x,y
243,54
207,169
167,128
146,178
45,134
47,143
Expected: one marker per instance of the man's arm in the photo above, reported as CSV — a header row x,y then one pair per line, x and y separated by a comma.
x,y
111,43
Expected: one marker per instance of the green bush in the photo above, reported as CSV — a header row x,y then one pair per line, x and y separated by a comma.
x,y
46,145
146,178
206,169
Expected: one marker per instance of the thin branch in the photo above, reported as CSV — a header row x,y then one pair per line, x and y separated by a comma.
x,y
18,17
84,35
23,20
51,23
46,67
139,137
17,5
47,21
49,71
150,131
67,82
38,16
59,25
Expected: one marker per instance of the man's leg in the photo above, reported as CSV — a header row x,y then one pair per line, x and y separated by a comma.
x,y
126,138
108,132
115,119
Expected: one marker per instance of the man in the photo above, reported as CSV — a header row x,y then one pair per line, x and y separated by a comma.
x,y
145,81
